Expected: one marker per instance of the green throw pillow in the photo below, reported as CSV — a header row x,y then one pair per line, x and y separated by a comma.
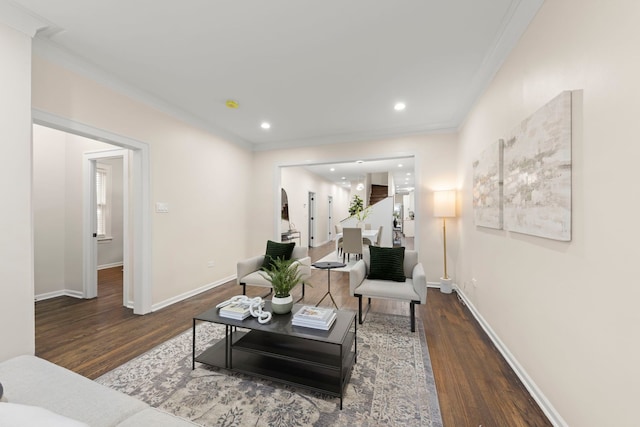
x,y
277,250
386,264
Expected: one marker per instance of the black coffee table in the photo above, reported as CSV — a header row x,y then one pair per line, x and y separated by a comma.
x,y
311,358
328,266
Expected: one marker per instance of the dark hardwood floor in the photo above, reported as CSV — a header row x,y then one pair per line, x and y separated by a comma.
x,y
476,387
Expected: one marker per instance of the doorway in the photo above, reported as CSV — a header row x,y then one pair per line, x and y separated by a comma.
x,y
139,248
107,207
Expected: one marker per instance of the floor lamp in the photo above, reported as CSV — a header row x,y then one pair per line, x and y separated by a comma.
x,y
444,206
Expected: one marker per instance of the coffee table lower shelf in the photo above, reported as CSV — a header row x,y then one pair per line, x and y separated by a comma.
x,y
314,365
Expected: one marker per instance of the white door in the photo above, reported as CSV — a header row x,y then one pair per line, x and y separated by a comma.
x,y
90,222
312,219
330,222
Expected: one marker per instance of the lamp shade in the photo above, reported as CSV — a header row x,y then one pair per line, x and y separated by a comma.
x,y
444,204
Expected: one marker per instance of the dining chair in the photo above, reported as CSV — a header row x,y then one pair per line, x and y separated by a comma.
x,y
352,242
340,239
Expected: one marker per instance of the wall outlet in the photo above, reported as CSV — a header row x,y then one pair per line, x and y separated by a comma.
x,y
210,264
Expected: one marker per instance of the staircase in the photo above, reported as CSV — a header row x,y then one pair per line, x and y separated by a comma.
x,y
378,192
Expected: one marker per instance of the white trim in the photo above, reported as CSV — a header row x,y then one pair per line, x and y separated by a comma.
x,y
89,243
56,294
140,165
535,392
111,265
19,19
192,293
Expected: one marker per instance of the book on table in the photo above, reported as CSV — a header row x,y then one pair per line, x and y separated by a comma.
x,y
236,310
314,317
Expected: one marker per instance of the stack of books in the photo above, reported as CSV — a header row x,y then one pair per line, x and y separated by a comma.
x,y
314,317
236,310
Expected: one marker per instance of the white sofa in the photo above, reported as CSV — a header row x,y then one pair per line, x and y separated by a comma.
x,y
29,380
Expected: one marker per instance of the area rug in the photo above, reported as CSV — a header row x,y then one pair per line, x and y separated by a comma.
x,y
391,385
332,257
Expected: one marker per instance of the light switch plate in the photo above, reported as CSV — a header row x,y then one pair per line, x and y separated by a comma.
x,y
162,207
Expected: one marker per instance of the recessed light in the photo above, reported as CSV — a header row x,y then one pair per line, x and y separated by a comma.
x,y
399,106
265,125
332,169
343,178
400,165
408,173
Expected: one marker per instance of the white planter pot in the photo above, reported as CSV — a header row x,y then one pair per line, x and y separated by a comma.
x,y
281,305
446,285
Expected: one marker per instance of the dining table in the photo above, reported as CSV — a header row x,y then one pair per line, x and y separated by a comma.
x,y
368,234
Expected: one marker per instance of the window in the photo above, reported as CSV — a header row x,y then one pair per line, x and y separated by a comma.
x,y
103,200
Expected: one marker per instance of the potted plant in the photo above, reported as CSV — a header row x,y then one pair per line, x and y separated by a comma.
x,y
284,276
358,210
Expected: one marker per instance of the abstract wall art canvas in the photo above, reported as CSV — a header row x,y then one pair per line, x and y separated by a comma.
x,y
537,173
487,187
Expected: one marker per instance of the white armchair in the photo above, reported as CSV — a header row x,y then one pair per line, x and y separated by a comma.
x,y
249,270
413,290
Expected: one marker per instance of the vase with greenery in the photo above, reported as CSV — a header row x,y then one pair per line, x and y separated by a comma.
x,y
283,276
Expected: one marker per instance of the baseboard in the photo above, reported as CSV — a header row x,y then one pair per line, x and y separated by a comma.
x,y
530,385
178,298
113,264
61,293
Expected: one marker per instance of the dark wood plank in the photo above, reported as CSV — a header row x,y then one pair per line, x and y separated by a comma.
x,y
475,384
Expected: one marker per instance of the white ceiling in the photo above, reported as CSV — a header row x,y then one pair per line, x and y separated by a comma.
x,y
319,71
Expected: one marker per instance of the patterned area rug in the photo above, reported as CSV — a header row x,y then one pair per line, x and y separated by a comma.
x,y
391,385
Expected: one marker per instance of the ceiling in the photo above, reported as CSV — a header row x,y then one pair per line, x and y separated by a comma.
x,y
318,71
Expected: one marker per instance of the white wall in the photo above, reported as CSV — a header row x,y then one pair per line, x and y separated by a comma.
x,y
206,220
567,311
49,218
298,182
17,327
430,175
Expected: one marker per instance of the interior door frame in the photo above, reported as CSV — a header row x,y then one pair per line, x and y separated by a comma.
x,y
330,218
277,179
140,223
312,219
89,222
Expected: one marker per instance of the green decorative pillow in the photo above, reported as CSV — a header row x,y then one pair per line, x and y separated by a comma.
x,y
277,250
386,264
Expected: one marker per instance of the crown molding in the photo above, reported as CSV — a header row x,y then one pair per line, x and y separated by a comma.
x,y
442,128
513,26
19,19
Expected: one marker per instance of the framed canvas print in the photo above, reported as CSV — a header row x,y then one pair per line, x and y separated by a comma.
x,y
537,173
487,187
